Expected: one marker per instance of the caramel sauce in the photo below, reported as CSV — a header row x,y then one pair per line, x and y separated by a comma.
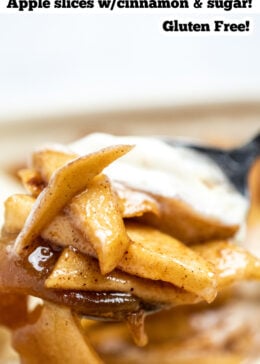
x,y
135,323
39,257
26,276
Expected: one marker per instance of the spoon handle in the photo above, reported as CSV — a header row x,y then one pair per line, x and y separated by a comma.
x,y
235,163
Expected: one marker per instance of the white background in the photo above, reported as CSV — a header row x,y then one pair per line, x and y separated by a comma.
x,y
76,63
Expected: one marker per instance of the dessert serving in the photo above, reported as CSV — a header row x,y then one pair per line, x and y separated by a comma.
x,y
135,249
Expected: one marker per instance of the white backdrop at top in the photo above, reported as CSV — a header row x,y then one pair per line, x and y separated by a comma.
x,y
69,63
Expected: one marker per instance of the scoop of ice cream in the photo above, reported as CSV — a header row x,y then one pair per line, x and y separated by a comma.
x,y
174,172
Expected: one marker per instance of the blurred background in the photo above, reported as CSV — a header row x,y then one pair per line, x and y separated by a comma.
x,y
61,64
62,76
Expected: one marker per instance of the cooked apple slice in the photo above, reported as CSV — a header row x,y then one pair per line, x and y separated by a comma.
x,y
32,181
89,278
134,203
47,161
65,183
158,256
96,214
52,336
17,209
60,231
232,263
